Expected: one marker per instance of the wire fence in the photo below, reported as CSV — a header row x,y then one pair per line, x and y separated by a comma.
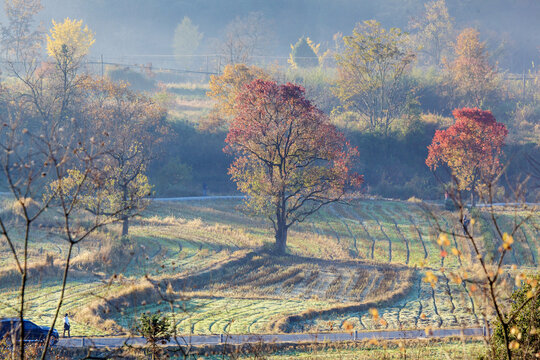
x,y
213,64
207,64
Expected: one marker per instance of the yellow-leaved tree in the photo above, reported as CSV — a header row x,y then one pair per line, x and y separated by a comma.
x,y
69,42
224,89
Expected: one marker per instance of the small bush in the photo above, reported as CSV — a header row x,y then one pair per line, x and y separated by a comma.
x,y
113,254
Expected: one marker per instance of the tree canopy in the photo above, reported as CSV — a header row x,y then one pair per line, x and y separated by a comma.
x,y
473,77
371,70
433,31
186,41
246,36
69,37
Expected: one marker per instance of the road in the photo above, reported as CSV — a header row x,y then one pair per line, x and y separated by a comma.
x,y
196,198
218,197
114,342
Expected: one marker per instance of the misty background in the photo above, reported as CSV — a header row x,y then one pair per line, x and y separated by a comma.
x,y
127,29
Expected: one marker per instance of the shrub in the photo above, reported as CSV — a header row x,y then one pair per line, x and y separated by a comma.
x,y
156,329
112,255
526,123
524,338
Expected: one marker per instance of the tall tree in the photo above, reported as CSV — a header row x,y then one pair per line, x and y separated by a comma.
x,y
471,148
290,160
245,37
371,72
433,31
224,89
186,41
473,77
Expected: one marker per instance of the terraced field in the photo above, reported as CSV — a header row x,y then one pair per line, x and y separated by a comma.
x,y
344,260
448,305
225,315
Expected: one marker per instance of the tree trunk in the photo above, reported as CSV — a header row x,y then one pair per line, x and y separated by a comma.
x,y
473,194
125,225
125,218
281,224
281,238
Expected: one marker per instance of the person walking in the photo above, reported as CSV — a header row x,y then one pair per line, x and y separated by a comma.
x,y
66,326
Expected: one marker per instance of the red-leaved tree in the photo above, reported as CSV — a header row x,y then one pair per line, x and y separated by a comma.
x,y
471,148
290,160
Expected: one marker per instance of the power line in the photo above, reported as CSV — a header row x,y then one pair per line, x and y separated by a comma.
x,y
180,71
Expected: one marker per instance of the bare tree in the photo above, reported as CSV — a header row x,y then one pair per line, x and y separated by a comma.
x,y
246,37
135,125
20,38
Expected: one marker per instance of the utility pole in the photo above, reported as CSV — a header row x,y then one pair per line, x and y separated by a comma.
x,y
523,83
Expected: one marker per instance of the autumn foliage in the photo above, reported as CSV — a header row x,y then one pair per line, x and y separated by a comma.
x,y
471,73
69,42
224,90
471,148
290,160
371,74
